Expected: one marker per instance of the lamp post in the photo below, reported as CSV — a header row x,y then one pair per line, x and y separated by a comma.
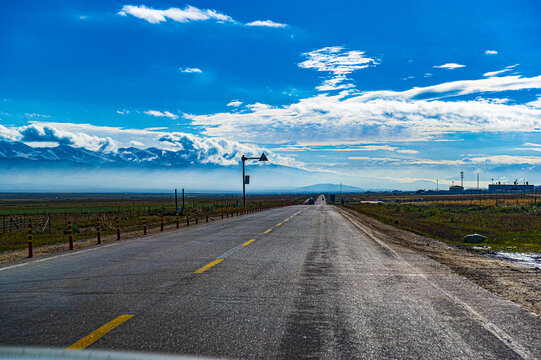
x,y
244,158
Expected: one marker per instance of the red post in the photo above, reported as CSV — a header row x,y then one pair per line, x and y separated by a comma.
x,y
178,222
117,228
98,230
196,218
161,221
30,253
222,215
187,220
144,225
70,235
206,216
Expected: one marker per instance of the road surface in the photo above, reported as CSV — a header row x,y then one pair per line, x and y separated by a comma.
x,y
312,283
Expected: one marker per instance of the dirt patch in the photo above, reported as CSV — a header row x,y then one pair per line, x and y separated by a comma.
x,y
515,282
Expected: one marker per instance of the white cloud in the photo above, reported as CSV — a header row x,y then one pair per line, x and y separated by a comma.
x,y
136,143
123,112
426,75
35,115
378,159
188,14
449,66
9,133
491,52
38,132
494,73
535,103
460,87
190,70
266,23
338,62
235,103
530,147
157,113
378,116
376,147
478,160
406,151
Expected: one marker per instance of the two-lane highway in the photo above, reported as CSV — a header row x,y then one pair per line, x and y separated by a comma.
x,y
300,281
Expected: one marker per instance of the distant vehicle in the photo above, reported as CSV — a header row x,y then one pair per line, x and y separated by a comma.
x,y
310,201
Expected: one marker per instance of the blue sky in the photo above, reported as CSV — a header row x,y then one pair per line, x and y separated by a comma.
x,y
383,94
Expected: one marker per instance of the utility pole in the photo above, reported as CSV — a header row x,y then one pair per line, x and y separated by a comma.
x,y
477,181
244,158
182,200
462,178
176,202
437,184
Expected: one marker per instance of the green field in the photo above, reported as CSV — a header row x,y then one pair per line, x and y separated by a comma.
x,y
49,213
511,226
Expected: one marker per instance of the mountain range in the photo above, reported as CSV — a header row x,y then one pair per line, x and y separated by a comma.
x,y
18,152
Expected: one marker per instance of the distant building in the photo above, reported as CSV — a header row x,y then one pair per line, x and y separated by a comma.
x,y
456,189
500,188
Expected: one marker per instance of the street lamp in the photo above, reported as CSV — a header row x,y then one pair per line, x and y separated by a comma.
x,y
244,182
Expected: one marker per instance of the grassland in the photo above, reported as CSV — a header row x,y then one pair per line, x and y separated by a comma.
x,y
511,225
49,213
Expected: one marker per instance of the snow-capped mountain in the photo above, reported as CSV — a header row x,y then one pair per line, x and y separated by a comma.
x,y
14,151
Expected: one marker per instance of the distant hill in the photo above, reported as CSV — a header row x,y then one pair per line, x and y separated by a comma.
x,y
328,188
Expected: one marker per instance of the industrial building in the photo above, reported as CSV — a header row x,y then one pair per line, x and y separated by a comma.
x,y
506,188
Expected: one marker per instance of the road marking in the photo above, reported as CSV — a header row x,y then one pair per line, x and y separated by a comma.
x,y
208,266
56,257
267,231
279,224
286,219
94,336
248,242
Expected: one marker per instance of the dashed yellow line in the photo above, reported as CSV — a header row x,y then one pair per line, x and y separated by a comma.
x,y
248,242
279,224
286,219
208,266
95,335
267,231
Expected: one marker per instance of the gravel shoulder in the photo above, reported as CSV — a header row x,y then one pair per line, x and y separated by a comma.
x,y
515,282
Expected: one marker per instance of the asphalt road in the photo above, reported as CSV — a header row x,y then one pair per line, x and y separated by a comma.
x,y
316,286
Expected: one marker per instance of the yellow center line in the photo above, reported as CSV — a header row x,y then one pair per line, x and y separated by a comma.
x,y
208,266
94,336
267,231
279,224
286,219
248,242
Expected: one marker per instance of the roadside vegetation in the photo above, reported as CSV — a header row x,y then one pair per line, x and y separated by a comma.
x,y
49,214
509,226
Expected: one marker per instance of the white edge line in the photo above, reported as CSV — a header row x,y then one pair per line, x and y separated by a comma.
x,y
54,257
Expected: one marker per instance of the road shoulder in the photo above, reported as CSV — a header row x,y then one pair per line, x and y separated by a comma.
x,y
514,282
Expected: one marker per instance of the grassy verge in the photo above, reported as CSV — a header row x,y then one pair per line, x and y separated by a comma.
x,y
509,227
49,215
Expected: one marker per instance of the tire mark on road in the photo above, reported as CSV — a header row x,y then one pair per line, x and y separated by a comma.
x,y
317,327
